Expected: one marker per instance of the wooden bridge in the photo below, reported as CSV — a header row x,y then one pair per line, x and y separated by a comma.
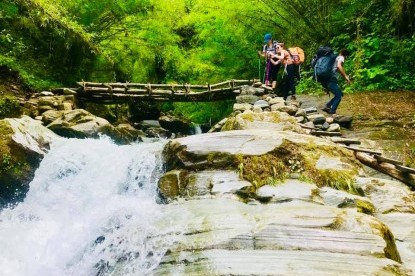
x,y
124,92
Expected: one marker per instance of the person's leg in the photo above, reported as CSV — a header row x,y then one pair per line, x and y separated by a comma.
x,y
273,75
267,72
327,106
291,78
334,87
285,86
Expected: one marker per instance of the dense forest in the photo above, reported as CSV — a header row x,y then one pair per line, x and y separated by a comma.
x,y
56,43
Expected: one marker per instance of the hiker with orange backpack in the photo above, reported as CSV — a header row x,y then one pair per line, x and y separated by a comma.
x,y
272,68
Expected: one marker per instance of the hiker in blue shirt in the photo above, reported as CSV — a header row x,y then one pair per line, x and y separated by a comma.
x,y
271,69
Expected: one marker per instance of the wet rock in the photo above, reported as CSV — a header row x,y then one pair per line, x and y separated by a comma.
x,y
23,143
78,123
50,116
176,124
251,99
317,119
333,127
344,121
242,107
262,104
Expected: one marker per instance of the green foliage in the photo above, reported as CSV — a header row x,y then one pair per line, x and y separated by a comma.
x,y
55,43
6,163
382,63
43,43
9,108
204,113
31,78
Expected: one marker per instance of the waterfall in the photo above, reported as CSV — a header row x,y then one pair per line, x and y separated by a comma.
x,y
197,129
91,210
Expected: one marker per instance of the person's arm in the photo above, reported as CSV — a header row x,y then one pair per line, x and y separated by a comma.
x,y
263,53
275,62
272,59
280,56
341,70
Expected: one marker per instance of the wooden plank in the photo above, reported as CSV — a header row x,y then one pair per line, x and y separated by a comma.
x,y
345,141
405,169
380,158
192,86
386,168
364,150
221,84
325,133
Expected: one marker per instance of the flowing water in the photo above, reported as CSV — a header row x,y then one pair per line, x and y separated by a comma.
x,y
91,210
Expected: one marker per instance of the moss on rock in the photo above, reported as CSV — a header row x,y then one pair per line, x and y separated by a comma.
x,y
17,166
292,158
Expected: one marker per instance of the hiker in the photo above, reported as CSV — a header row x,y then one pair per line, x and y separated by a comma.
x,y
288,86
332,84
271,69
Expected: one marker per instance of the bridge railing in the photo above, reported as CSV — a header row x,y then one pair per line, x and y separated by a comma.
x,y
95,91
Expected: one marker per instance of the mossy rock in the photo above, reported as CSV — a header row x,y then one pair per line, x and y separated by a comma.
x,y
263,120
17,166
267,156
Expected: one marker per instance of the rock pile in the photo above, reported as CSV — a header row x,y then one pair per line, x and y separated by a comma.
x,y
255,100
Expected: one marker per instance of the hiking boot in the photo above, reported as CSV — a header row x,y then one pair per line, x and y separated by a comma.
x,y
327,110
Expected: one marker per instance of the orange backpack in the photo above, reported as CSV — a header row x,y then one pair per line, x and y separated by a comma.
x,y
297,54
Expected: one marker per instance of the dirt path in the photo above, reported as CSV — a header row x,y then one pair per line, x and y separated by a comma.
x,y
386,118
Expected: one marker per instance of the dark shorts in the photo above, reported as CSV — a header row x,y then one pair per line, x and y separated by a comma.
x,y
273,71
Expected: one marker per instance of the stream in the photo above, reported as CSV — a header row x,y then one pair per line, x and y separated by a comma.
x,y
92,209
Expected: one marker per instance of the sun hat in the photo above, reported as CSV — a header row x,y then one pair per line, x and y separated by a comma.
x,y
267,37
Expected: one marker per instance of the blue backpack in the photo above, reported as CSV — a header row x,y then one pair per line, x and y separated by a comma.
x,y
323,63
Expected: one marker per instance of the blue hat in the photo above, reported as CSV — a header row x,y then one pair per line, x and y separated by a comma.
x,y
267,37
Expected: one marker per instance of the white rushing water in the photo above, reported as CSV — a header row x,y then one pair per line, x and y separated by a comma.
x,y
91,210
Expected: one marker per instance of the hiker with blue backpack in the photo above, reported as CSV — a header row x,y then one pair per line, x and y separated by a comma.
x,y
327,66
271,68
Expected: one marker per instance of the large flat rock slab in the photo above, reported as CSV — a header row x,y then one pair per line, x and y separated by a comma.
x,y
281,262
246,142
227,237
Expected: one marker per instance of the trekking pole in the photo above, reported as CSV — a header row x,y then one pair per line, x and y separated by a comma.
x,y
259,68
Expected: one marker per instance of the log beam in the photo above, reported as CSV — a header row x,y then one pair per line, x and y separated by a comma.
x,y
386,168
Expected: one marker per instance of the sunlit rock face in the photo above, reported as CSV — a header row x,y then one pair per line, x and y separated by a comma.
x,y
263,198
23,143
80,123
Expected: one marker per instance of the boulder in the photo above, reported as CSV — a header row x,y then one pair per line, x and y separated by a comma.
x,y
251,99
344,121
266,120
227,237
50,116
23,143
263,153
79,123
317,119
242,107
175,124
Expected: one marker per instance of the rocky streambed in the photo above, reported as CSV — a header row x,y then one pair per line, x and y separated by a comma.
x,y
263,197
259,195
